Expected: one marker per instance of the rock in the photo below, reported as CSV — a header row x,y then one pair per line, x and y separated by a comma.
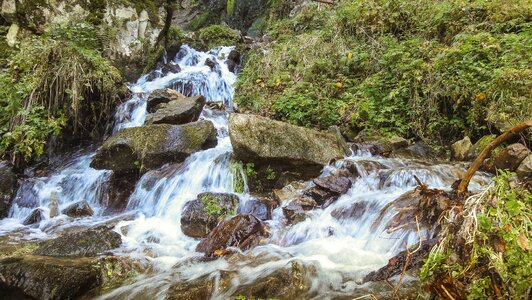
x,y
121,187
200,288
211,64
151,146
396,264
78,210
8,187
294,213
319,195
242,231
87,242
261,208
49,278
460,149
289,192
334,184
184,110
162,70
353,212
398,142
306,203
418,150
35,217
202,215
269,142
289,282
234,59
511,157
524,171
475,150
162,96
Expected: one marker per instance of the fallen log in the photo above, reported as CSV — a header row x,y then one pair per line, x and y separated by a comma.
x,y
461,191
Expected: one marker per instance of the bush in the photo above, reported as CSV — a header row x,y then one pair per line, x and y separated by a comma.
x,y
56,81
216,35
430,69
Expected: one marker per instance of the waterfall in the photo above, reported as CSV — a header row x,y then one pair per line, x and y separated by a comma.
x,y
340,251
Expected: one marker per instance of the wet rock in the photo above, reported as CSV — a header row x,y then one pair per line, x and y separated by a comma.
x,y
261,208
354,211
87,242
234,59
121,186
35,217
475,150
241,231
78,210
49,278
200,288
162,96
292,148
289,192
460,149
162,70
290,282
334,184
182,111
418,150
511,157
524,171
319,195
8,187
294,213
211,64
202,215
396,264
151,146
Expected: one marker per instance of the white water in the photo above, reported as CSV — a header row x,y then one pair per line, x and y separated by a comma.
x,y
341,251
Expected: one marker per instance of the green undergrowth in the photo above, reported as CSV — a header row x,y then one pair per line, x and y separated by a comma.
x,y
53,83
430,69
217,35
495,258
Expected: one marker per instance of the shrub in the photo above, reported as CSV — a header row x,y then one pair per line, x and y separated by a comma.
x,y
217,35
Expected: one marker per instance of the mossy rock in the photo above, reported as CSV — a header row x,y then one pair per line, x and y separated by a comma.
x,y
151,146
263,141
475,150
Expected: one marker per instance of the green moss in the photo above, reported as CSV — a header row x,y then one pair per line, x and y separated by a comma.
x,y
204,19
216,35
230,6
214,210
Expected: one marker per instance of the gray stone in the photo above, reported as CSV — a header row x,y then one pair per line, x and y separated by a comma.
x,y
460,149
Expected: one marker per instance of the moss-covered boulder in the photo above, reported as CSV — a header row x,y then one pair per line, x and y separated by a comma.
x,y
200,216
475,150
8,184
88,242
48,278
151,146
179,111
267,142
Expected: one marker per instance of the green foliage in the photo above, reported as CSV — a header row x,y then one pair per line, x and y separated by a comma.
x,y
55,81
270,174
217,35
501,246
250,171
433,69
214,210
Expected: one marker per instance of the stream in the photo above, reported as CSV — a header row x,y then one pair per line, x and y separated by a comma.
x,y
335,253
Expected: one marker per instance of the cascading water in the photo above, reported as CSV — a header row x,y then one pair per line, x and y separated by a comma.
x,y
338,251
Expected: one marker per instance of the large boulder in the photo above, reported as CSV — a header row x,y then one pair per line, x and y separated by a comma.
x,y
49,278
460,149
333,183
242,231
181,111
151,146
524,170
160,97
78,210
8,186
88,242
202,215
268,142
511,157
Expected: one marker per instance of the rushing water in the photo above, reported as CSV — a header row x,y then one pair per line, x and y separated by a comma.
x,y
340,252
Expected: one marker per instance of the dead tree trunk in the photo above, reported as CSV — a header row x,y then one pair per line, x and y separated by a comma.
x,y
462,187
